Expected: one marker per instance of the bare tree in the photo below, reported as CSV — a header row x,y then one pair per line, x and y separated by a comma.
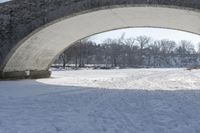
x,y
186,47
143,41
132,52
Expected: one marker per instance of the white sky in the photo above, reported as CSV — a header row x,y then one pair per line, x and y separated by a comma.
x,y
155,33
1,1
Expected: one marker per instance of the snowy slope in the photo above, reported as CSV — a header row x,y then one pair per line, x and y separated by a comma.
x,y
52,106
148,79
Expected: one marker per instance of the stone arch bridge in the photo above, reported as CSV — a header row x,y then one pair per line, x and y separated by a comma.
x,y
34,32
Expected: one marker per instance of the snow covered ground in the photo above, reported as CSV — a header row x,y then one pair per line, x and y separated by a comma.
x,y
98,101
146,79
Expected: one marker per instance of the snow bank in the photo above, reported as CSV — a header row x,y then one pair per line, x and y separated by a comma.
x,y
147,79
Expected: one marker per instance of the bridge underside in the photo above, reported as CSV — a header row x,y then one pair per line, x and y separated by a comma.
x,y
33,55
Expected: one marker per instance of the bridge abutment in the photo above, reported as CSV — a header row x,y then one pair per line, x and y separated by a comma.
x,y
33,74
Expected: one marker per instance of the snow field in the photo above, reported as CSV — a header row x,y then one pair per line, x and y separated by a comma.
x,y
103,101
147,79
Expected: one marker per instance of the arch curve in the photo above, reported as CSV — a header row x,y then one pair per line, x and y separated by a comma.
x,y
31,56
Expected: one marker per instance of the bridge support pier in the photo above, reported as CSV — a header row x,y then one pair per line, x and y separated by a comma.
x,y
33,74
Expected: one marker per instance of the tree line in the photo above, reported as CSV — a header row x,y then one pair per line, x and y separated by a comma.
x,y
141,51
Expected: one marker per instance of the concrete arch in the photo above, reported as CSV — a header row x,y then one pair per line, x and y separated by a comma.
x,y
32,55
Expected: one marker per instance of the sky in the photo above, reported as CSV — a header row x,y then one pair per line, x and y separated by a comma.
x,y
155,33
1,1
